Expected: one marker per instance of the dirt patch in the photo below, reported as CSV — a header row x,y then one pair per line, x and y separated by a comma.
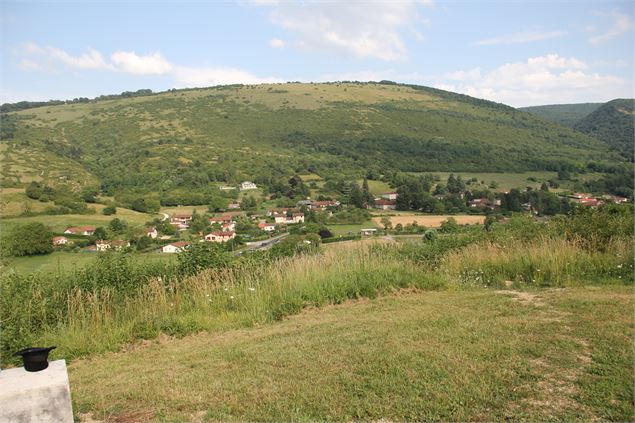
x,y
523,297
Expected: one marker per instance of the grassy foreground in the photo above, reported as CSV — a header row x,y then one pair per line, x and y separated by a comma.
x,y
542,355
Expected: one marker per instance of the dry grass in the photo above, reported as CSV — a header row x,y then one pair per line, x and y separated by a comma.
x,y
430,221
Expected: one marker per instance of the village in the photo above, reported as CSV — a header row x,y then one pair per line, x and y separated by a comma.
x,y
240,230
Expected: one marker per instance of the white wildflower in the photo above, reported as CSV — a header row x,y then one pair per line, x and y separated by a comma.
x,y
252,289
231,297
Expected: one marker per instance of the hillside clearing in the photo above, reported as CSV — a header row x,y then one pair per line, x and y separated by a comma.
x,y
552,354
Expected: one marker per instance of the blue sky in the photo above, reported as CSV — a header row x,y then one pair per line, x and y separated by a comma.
x,y
519,53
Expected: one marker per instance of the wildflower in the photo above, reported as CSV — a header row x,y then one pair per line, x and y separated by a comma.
x,y
619,266
231,297
171,304
252,289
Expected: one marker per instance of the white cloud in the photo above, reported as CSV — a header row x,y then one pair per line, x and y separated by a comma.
x,y
29,65
520,37
276,43
622,24
90,60
205,76
538,80
130,62
372,30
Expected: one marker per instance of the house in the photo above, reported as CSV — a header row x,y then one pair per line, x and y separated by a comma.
x,y
233,206
228,227
151,232
117,245
288,218
102,245
81,230
283,210
221,220
615,199
390,195
267,227
368,232
220,236
478,203
244,186
323,205
175,247
60,240
182,219
589,202
384,204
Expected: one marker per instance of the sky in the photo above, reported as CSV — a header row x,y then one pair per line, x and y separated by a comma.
x,y
514,52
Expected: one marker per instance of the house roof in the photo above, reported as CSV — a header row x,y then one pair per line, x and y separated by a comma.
x,y
385,202
59,238
222,234
180,244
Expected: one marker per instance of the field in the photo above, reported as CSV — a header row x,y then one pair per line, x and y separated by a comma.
x,y
58,223
60,261
347,229
540,355
429,221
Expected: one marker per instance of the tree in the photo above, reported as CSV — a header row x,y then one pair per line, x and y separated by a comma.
x,y
449,225
356,197
144,242
248,203
100,233
198,223
117,225
367,197
28,240
201,256
386,222
109,210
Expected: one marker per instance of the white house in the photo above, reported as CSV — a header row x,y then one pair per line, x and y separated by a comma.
x,y
182,219
267,227
152,232
221,220
390,195
368,232
289,220
244,186
102,245
220,236
384,204
60,240
82,230
175,247
228,227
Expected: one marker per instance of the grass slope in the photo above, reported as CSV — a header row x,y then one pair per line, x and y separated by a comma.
x,y
613,123
543,355
190,138
564,114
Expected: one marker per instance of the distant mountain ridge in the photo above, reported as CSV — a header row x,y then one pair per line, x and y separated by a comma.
x,y
564,114
613,123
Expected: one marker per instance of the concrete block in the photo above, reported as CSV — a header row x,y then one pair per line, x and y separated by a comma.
x,y
43,397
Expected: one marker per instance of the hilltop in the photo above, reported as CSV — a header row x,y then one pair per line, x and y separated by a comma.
x,y
564,114
188,140
612,123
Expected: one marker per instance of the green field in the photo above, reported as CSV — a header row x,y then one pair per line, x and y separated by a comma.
x,y
483,355
58,223
345,229
61,261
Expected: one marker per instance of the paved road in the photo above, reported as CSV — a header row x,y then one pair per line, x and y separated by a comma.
x,y
262,245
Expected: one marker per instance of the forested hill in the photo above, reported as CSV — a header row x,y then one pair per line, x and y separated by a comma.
x,y
564,114
612,123
190,139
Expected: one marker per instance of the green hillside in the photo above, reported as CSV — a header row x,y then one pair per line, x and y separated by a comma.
x,y
564,114
190,140
612,123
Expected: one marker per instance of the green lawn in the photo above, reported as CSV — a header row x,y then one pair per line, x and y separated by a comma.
x,y
505,181
480,355
345,229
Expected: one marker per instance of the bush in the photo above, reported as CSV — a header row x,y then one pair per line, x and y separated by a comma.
x,y
109,210
28,240
430,235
